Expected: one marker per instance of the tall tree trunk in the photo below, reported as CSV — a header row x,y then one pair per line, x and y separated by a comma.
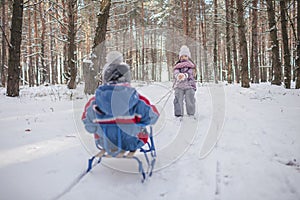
x,y
72,10
30,65
297,68
263,53
276,64
254,61
57,46
53,60
64,30
44,71
36,41
102,23
285,41
130,43
185,16
234,49
99,49
144,71
215,41
199,50
292,18
243,45
154,52
137,54
161,58
15,49
228,44
204,40
4,44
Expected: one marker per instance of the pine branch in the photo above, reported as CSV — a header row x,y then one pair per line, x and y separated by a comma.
x,y
292,24
3,31
32,4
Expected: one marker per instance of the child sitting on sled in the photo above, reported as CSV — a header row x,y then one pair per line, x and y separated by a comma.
x,y
117,103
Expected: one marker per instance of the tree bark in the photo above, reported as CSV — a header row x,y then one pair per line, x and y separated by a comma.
x,y
154,55
243,45
36,41
185,16
254,61
53,57
262,47
72,10
4,44
234,49
99,49
144,71
276,64
64,31
44,71
297,68
15,49
102,25
228,44
30,65
286,51
204,41
215,41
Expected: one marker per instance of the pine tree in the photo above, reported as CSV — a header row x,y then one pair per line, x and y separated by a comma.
x,y
228,44
254,53
216,41
276,64
4,44
297,68
99,49
243,45
72,11
15,49
286,51
234,46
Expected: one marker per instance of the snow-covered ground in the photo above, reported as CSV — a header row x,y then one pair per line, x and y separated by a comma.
x,y
43,147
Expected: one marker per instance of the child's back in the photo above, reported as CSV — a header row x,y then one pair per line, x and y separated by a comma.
x,y
119,105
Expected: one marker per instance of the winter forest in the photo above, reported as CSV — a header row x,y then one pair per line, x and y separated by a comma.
x,y
234,136
55,41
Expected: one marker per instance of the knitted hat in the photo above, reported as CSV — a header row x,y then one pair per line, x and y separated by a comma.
x,y
115,70
184,50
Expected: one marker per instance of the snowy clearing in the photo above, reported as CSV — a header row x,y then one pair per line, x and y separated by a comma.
x,y
44,147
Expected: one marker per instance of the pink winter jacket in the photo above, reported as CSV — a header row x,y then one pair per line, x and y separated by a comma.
x,y
187,68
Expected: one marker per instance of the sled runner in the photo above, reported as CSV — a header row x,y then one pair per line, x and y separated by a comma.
x,y
109,150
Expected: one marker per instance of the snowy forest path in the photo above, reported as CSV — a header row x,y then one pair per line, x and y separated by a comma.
x,y
256,156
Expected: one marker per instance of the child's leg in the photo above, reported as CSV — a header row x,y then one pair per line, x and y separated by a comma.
x,y
190,101
178,102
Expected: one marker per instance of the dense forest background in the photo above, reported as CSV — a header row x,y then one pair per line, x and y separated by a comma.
x,y
65,41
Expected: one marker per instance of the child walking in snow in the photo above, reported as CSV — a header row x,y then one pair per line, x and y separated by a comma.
x,y
185,86
117,103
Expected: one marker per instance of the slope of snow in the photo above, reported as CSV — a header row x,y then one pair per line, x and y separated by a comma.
x,y
44,147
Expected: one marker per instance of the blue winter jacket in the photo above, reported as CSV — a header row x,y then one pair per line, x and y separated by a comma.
x,y
124,109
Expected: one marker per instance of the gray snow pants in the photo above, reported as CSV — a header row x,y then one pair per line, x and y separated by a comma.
x,y
189,96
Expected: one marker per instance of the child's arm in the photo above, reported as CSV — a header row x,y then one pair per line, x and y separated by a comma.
x,y
148,111
191,74
175,73
88,117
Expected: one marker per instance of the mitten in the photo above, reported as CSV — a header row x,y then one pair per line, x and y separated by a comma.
x,y
181,77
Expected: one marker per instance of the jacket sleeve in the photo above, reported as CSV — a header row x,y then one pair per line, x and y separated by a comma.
x,y
191,73
88,117
175,73
149,113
